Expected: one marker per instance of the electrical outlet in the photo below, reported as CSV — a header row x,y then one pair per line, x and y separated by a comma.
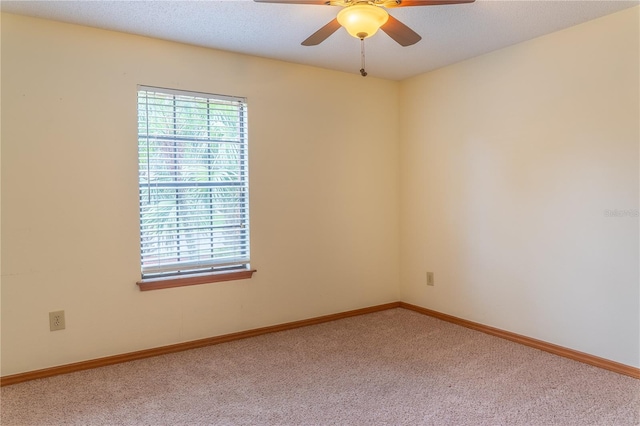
x,y
56,320
430,279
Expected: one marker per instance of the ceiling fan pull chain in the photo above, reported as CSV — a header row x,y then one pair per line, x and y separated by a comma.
x,y
362,71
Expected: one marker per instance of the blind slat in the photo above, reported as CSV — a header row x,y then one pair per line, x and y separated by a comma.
x,y
187,266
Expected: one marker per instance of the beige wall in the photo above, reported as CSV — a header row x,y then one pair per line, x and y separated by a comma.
x,y
324,201
509,161
498,168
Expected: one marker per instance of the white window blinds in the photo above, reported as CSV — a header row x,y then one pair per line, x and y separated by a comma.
x,y
193,174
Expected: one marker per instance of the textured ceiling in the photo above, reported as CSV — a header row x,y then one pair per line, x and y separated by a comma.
x,y
449,33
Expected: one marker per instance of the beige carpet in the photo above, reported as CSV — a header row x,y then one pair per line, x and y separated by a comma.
x,y
395,367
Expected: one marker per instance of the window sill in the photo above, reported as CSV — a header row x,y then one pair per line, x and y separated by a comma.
x,y
160,283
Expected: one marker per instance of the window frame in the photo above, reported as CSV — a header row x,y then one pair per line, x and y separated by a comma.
x,y
210,272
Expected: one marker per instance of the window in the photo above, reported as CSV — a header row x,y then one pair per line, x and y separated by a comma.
x,y
194,187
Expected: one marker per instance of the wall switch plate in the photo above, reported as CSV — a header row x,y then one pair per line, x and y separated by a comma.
x,y
430,279
56,320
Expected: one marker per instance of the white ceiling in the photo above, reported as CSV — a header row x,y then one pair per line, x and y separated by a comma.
x,y
449,33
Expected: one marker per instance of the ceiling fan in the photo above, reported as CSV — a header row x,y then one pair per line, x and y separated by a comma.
x,y
363,18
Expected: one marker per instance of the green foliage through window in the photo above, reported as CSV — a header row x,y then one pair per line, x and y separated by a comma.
x,y
193,175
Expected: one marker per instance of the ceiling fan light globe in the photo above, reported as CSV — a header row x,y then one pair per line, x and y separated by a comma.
x,y
362,19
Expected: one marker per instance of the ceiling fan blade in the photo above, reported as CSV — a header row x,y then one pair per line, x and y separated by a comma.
x,y
322,34
405,3
321,2
398,31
